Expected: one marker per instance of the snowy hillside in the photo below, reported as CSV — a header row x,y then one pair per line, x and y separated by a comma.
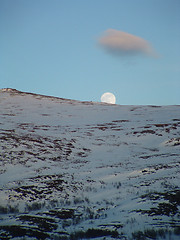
x,y
79,170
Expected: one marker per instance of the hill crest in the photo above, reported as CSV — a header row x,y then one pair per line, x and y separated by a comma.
x,y
71,170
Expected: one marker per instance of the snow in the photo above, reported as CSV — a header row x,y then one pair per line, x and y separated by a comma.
x,y
98,159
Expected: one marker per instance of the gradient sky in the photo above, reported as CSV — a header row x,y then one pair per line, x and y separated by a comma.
x,y
55,47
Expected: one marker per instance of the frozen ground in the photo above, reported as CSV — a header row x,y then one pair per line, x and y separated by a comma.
x,y
79,170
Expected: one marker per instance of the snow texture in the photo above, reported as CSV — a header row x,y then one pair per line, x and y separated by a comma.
x,y
79,170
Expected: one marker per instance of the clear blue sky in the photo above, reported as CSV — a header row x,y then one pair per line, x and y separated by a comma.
x,y
51,47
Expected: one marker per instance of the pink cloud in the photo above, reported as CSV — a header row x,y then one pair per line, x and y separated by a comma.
x,y
122,43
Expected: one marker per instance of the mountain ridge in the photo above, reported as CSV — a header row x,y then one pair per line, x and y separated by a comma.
x,y
15,91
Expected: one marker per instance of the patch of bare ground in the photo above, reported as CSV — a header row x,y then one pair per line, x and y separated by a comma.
x,y
9,232
44,187
94,233
144,132
160,233
168,208
43,224
16,148
159,155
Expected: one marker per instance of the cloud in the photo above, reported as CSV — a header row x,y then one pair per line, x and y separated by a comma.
x,y
125,44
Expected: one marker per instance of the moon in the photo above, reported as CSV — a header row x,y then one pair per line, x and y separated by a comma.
x,y
108,98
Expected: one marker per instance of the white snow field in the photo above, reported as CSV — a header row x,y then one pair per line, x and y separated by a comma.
x,y
84,170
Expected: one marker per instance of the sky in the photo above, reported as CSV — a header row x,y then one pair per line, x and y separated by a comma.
x,y
80,49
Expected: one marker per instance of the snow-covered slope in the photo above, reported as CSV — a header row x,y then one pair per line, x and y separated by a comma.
x,y
79,170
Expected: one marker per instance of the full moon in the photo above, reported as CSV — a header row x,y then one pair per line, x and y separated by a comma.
x,y
108,98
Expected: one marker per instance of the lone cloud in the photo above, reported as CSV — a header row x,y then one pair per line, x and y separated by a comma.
x,y
125,44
